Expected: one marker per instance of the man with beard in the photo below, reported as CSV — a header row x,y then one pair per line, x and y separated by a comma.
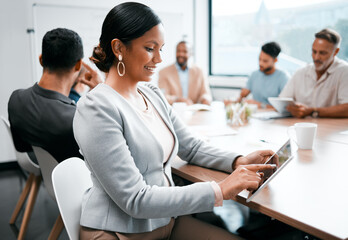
x,y
183,83
320,89
267,81
42,115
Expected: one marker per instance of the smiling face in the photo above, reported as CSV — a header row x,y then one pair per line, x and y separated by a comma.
x,y
182,54
323,54
143,54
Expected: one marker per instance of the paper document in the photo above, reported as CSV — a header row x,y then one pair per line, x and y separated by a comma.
x,y
198,107
269,115
213,130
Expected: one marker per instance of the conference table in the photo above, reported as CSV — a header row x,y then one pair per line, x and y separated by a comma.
x,y
310,193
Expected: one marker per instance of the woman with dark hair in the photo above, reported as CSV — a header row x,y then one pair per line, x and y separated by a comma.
x,y
129,136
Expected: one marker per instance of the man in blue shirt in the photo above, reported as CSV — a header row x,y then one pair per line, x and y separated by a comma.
x,y
267,81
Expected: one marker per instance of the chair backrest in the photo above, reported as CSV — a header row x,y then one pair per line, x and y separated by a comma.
x,y
71,178
23,158
47,163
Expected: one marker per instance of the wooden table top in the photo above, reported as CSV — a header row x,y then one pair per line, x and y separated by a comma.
x,y
310,193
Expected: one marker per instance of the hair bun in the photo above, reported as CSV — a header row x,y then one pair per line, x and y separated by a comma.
x,y
99,58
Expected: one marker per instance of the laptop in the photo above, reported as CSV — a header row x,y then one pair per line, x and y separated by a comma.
x,y
284,156
279,105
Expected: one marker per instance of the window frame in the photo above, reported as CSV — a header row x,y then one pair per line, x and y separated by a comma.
x,y
210,14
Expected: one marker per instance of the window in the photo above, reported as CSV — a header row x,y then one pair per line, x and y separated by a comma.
x,y
239,28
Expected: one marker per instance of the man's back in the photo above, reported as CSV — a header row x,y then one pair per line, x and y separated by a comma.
x,y
43,118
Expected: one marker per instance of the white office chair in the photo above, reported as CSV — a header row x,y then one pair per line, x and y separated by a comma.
x,y
23,158
71,178
31,186
47,163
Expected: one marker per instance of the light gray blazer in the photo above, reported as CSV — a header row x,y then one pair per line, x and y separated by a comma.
x,y
129,192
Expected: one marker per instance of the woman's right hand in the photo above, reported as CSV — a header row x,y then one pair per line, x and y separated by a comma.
x,y
244,177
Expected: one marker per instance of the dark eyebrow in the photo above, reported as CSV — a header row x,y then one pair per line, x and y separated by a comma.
x,y
154,42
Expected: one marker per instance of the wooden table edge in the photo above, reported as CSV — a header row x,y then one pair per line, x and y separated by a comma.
x,y
182,171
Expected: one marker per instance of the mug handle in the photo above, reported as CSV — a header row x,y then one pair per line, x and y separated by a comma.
x,y
291,129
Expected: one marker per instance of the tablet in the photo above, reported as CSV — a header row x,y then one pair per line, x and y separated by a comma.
x,y
284,156
280,104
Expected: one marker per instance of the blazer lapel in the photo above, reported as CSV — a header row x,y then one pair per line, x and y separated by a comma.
x,y
161,111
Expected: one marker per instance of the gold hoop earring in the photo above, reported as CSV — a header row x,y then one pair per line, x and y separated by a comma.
x,y
123,66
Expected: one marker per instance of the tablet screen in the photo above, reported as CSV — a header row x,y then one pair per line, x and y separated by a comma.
x,y
281,157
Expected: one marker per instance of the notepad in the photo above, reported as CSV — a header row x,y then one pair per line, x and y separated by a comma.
x,y
213,130
269,115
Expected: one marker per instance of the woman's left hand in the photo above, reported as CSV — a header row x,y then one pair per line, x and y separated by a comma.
x,y
257,157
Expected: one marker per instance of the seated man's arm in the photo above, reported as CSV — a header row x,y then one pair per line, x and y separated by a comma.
x,y
243,94
247,90
337,111
259,104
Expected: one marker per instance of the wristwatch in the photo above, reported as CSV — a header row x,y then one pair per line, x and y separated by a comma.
x,y
315,114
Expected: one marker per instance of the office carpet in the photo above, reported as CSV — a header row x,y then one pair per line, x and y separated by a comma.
x,y
44,214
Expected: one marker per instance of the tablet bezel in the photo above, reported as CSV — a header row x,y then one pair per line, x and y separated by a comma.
x,y
251,195
280,104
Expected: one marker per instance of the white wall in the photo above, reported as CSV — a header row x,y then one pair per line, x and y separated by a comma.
x,y
15,45
14,62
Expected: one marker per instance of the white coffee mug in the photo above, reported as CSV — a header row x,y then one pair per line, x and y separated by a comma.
x,y
305,134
